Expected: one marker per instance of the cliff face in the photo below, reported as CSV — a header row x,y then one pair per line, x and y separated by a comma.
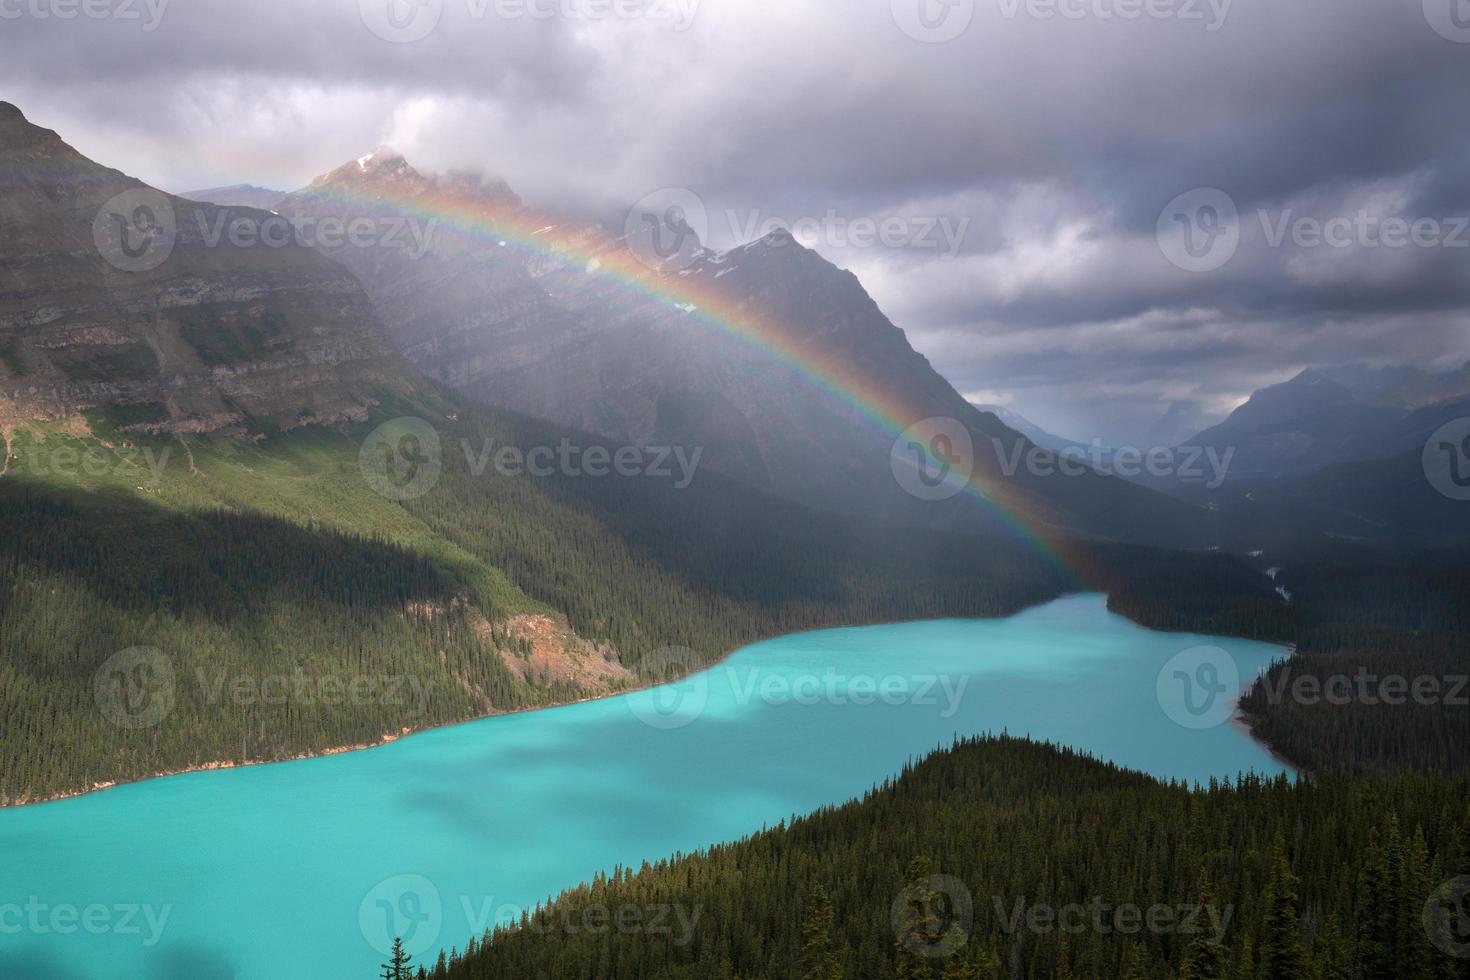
x,y
115,294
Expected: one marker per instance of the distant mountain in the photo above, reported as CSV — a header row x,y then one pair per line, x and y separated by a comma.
x,y
1180,421
1029,429
771,359
115,294
238,195
1405,387
1319,419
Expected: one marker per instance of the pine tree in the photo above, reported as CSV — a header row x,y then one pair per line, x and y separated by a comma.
x,y
1281,934
1204,957
918,926
1064,956
1136,966
1375,951
1331,957
397,967
1416,962
818,962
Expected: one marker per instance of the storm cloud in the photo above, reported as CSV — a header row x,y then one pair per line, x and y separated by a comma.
x,y
1083,147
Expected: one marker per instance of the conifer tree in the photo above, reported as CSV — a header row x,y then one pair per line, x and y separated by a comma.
x,y
1204,957
1281,934
1064,956
397,967
818,962
1136,966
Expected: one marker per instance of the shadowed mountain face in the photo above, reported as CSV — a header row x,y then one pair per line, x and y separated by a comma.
x,y
773,361
115,294
1319,419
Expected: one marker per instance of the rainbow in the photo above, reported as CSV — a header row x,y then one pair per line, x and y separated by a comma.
x,y
621,273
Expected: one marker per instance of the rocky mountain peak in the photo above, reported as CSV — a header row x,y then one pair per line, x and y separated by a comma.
x,y
384,172
19,133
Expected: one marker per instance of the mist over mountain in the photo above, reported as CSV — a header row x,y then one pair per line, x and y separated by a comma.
x,y
731,351
238,195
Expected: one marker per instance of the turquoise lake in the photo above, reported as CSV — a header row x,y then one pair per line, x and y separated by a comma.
x,y
305,869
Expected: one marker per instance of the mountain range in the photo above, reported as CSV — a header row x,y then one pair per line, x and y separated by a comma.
x,y
1322,418
775,363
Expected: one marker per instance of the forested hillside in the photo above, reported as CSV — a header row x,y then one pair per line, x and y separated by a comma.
x,y
1256,879
167,604
1380,682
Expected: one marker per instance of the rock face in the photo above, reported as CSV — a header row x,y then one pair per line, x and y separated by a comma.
x,y
114,294
769,358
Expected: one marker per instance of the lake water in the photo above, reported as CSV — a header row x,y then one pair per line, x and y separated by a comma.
x,y
306,869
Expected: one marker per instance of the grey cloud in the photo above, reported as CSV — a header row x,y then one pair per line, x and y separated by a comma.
x,y
1059,141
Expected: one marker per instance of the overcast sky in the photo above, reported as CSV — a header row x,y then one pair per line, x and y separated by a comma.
x,y
1027,152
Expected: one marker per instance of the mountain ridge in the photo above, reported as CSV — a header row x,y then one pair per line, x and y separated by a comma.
x,y
114,295
767,355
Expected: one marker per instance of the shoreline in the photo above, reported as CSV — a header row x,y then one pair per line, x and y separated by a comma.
x,y
1238,719
386,740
